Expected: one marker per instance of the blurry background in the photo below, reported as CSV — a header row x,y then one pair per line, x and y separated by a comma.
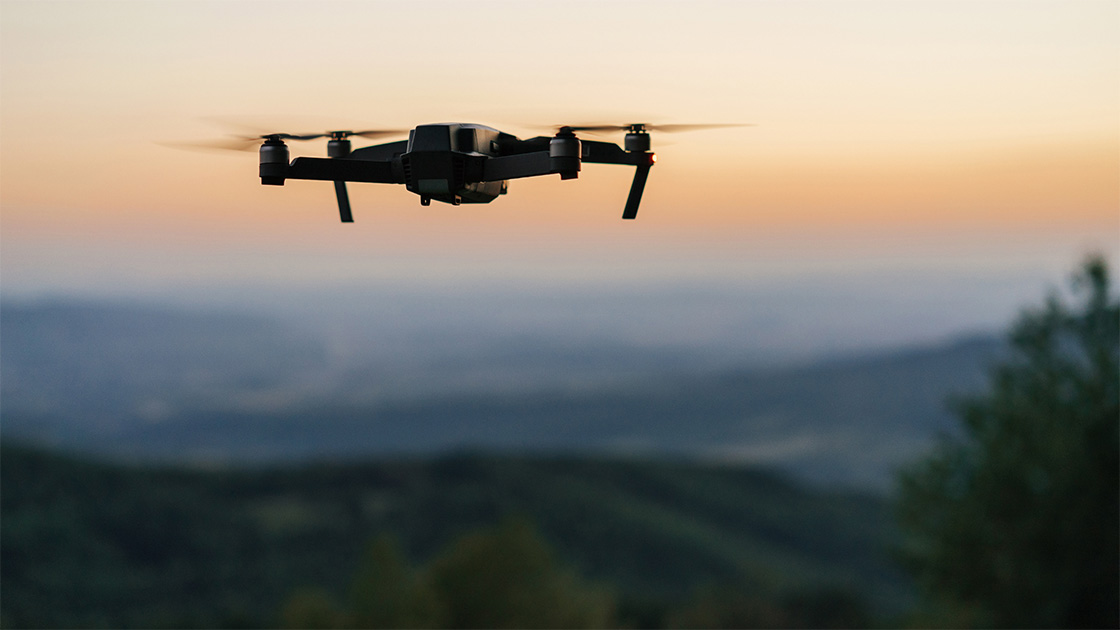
x,y
802,295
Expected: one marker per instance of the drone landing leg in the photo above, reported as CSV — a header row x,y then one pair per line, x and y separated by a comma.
x,y
636,188
343,202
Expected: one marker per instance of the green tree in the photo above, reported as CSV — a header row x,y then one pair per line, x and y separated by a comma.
x,y
740,606
754,605
507,577
311,608
386,592
1015,522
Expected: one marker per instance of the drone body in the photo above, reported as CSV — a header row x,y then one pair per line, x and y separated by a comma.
x,y
457,162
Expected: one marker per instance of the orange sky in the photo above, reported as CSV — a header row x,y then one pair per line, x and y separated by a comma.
x,y
900,132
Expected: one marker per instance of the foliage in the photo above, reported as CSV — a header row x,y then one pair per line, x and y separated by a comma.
x,y
1015,522
387,593
89,544
501,577
312,608
507,577
755,605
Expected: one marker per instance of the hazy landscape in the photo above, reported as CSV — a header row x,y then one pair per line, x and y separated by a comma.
x,y
709,431
224,405
452,409
717,377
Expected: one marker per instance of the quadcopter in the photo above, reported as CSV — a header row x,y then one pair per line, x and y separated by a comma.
x,y
458,163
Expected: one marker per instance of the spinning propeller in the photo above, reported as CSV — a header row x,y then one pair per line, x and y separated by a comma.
x,y
646,127
637,134
251,142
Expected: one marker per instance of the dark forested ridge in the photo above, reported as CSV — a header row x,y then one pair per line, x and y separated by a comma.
x,y
98,544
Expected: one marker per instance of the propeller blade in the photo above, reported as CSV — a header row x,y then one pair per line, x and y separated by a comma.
x,y
292,136
233,143
239,143
668,128
253,142
695,127
593,128
340,134
377,133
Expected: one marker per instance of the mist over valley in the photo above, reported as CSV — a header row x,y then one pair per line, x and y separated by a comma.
x,y
756,375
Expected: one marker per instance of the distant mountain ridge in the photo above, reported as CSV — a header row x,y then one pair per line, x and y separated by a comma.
x,y
150,383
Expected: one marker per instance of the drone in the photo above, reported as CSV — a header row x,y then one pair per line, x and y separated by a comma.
x,y
458,163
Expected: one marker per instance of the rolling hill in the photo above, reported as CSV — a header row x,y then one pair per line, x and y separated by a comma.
x,y
93,544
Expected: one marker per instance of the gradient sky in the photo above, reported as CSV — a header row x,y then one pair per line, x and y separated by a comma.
x,y
975,135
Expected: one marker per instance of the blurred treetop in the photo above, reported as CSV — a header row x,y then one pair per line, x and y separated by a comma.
x,y
1016,522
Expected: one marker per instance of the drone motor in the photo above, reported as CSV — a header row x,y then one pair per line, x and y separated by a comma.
x,y
339,144
637,139
564,154
274,161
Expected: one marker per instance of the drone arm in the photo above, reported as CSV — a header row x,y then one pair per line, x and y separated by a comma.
x,y
538,163
380,152
342,170
496,169
607,153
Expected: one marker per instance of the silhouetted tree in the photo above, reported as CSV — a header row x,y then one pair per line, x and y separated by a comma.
x,y
1016,521
755,605
507,578
504,577
386,592
731,607
311,608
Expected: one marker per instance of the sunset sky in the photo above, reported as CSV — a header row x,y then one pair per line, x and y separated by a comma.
x,y
924,135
